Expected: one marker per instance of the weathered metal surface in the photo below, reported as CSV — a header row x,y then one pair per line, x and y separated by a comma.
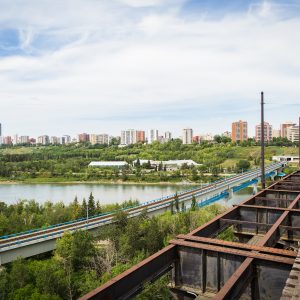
x,y
135,277
236,245
233,251
211,267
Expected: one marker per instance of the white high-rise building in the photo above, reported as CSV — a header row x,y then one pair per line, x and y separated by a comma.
x,y
43,140
23,139
168,136
65,139
284,127
152,136
293,133
128,137
15,139
187,136
54,140
267,132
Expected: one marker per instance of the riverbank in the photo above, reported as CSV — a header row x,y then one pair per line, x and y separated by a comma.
x,y
108,182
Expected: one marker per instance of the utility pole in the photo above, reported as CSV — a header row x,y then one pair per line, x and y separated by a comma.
x,y
299,142
262,143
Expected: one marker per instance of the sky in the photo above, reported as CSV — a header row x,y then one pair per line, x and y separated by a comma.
x,y
100,66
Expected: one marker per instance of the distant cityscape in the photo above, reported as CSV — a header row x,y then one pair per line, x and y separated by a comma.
x,y
238,133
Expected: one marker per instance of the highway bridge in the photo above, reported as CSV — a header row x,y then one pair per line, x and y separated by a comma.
x,y
262,263
34,242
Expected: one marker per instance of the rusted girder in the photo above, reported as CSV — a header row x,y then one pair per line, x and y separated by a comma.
x,y
145,271
252,254
237,245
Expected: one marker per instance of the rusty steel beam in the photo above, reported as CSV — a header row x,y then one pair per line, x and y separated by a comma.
x,y
241,222
282,190
273,232
239,280
265,207
238,245
244,253
291,228
213,225
232,285
146,271
272,199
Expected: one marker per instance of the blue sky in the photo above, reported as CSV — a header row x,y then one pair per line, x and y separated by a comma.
x,y
102,66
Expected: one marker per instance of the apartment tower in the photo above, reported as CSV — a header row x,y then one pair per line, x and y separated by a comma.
x,y
239,131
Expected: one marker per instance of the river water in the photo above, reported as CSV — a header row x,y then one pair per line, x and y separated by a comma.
x,y
105,193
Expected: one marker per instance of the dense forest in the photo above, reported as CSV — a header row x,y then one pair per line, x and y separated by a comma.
x,y
70,162
81,263
29,214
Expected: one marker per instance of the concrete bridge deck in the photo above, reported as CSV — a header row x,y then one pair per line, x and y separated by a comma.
x,y
200,265
39,241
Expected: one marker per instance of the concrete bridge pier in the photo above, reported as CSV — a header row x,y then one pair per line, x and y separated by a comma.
x,y
254,186
230,193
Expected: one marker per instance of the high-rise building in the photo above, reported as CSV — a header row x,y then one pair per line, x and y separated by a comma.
x,y
187,136
168,136
140,136
83,138
65,139
239,131
128,137
293,133
0,129
276,133
15,139
267,132
23,139
54,140
7,140
99,139
152,136
43,140
284,127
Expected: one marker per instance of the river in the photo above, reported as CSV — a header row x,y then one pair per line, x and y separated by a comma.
x,y
105,193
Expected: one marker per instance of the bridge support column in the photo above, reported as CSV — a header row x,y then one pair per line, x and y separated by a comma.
x,y
230,193
254,189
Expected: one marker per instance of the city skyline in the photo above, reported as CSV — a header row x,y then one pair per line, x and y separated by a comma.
x,y
129,64
131,136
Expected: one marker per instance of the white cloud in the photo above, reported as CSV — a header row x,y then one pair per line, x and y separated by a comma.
x,y
111,59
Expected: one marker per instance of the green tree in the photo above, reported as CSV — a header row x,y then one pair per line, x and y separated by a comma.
x,y
98,207
243,165
91,205
121,219
182,207
194,203
138,163
172,207
83,208
176,199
